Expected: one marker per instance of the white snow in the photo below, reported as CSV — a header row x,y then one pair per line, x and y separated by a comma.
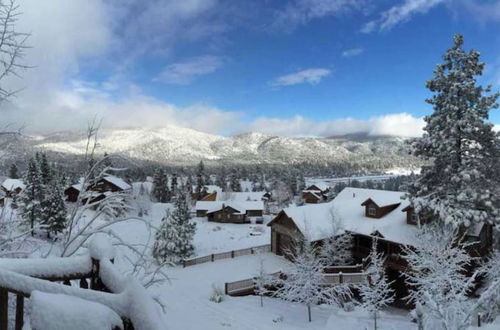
x,y
315,220
119,182
12,184
59,311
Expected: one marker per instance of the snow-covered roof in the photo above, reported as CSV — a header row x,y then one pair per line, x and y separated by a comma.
x,y
213,188
242,207
320,185
120,183
475,229
244,196
12,184
315,220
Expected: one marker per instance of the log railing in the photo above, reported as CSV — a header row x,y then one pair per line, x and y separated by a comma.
x,y
226,255
98,281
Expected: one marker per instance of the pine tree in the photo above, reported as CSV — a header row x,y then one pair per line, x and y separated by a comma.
x,y
54,212
200,180
461,185
13,172
160,186
173,241
173,184
32,196
45,170
377,292
234,183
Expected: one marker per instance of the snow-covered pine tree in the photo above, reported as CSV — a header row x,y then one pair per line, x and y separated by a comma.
x,y
337,249
304,278
200,180
160,186
174,239
376,293
261,281
31,197
234,182
461,185
13,171
54,213
173,184
46,174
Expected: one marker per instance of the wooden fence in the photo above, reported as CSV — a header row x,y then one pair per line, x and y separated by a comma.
x,y
226,255
247,286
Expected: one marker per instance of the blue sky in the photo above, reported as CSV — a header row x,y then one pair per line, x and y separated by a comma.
x,y
300,67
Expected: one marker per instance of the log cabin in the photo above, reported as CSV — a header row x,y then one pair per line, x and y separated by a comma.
x,y
366,214
316,193
105,185
230,212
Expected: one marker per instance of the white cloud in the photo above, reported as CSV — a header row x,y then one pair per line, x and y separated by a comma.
x,y
400,13
182,73
311,76
301,12
352,52
401,124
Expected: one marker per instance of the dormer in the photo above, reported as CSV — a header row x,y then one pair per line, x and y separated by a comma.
x,y
376,211
412,218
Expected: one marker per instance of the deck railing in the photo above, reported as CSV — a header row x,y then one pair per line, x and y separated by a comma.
x,y
20,277
226,255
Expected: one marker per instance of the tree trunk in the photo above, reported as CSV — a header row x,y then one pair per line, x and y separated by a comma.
x,y
375,319
309,311
261,301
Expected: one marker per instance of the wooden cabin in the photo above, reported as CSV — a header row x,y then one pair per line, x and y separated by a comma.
x,y
12,187
316,193
102,187
367,214
230,212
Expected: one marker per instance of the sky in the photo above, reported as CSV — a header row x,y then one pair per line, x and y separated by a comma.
x,y
294,68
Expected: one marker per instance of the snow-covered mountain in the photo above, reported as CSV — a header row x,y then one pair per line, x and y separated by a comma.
x,y
177,145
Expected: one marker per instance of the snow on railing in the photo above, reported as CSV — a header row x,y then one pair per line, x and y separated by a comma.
x,y
226,255
128,298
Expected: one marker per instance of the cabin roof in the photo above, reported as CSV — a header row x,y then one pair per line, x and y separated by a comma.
x,y
12,184
315,220
321,185
242,207
119,182
244,196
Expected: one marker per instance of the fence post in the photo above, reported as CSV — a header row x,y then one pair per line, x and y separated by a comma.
x,y
19,312
183,263
341,279
232,254
251,250
212,257
225,288
478,320
4,308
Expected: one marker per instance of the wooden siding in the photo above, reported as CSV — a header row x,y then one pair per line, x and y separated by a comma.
x,y
311,198
379,211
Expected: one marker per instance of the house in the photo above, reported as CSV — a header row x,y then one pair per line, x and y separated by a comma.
x,y
12,187
99,189
366,214
2,198
316,193
230,211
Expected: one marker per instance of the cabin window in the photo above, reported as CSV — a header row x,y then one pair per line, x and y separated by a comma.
x,y
372,211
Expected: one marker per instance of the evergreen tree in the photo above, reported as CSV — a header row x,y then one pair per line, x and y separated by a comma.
x,y
32,196
45,170
13,172
54,211
173,241
234,183
461,185
160,186
200,180
173,184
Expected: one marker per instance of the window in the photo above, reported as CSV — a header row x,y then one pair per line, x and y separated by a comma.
x,y
372,211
